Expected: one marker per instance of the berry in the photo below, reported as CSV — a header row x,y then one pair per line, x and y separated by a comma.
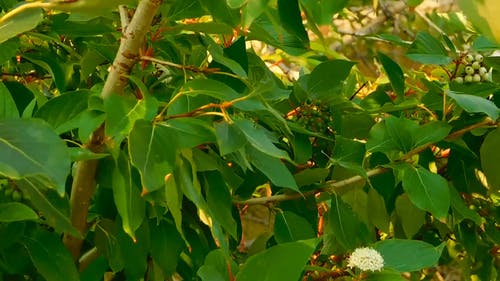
x,y
485,76
483,70
459,80
469,58
479,58
469,70
476,78
468,78
476,65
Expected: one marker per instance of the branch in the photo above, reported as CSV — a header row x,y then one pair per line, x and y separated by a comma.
x,y
330,186
83,185
180,66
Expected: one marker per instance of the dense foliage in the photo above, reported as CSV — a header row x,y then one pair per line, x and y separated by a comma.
x,y
247,140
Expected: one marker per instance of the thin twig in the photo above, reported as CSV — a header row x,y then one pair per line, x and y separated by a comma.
x,y
180,66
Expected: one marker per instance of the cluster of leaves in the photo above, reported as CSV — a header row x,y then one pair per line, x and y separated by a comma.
x,y
410,168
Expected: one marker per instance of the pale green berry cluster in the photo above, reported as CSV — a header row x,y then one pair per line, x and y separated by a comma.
x,y
473,70
315,116
10,191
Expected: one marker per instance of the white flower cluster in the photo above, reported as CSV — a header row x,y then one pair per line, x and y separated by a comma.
x,y
366,259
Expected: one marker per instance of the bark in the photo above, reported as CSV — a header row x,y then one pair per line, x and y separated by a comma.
x,y
84,179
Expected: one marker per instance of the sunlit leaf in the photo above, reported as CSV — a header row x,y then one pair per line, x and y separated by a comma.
x,y
14,211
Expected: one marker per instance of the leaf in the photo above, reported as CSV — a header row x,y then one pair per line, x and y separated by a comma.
x,y
188,132
173,194
350,232
411,217
9,49
229,137
14,211
218,56
63,112
428,50
220,201
349,154
408,255
461,210
273,168
152,152
55,209
29,147
211,88
377,215
489,158
326,79
127,196
51,259
475,104
235,4
290,227
252,10
216,267
484,16
19,23
258,137
168,246
395,74
81,154
385,275
287,260
428,191
52,64
8,108
291,19
431,132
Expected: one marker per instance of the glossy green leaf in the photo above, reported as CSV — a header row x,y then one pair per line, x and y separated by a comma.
x,y
107,243
55,209
483,14
326,80
95,270
408,255
80,154
428,50
29,147
168,245
411,217
395,74
123,111
273,168
377,215
14,211
350,232
461,210
291,19
19,23
229,137
219,56
259,138
53,65
8,108
287,260
188,132
221,11
211,88
127,196
9,49
216,267
63,112
349,154
428,191
51,259
489,158
186,177
475,104
220,201
385,275
252,10
173,198
152,152
290,227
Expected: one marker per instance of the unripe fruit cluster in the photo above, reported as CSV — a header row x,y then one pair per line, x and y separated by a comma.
x,y
474,70
315,116
11,192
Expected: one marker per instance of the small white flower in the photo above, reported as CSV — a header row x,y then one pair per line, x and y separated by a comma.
x,y
366,259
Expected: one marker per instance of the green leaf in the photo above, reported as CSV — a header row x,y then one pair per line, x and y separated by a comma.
x,y
428,191
218,56
273,168
211,88
377,215
291,19
349,154
350,232
431,132
9,49
326,80
385,275
408,255
221,12
252,10
411,217
489,158
123,111
428,50
107,243
53,65
290,227
483,15
259,138
395,74
216,267
127,196
81,154
220,201
14,211
173,194
475,104
8,108
235,4
29,147
51,259
188,132
168,246
19,23
55,209
152,152
63,112
287,260
461,210
229,137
